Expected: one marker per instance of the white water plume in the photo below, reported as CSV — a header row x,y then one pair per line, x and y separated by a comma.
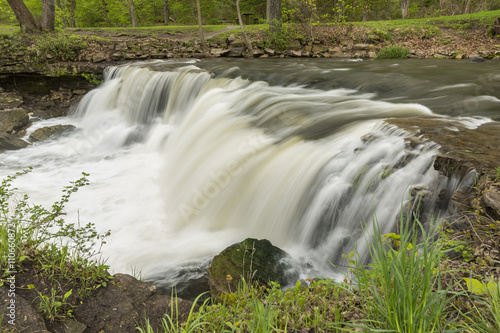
x,y
183,165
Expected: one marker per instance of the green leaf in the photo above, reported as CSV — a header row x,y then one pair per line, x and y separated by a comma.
x,y
475,286
30,286
68,294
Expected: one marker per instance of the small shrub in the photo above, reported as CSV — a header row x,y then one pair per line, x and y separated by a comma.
x,y
393,52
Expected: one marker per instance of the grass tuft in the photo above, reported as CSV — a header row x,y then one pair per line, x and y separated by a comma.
x,y
393,52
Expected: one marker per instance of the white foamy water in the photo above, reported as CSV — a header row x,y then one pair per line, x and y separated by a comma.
x,y
183,165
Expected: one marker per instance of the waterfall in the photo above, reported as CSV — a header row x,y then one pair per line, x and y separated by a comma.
x,y
184,163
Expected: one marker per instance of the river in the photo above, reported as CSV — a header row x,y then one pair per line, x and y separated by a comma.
x,y
188,157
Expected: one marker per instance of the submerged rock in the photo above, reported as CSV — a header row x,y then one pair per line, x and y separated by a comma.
x,y
45,133
255,261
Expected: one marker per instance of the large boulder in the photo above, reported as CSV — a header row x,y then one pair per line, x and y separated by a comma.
x,y
257,261
48,132
11,142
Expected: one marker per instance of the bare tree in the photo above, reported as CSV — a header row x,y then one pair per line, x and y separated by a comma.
x,y
467,7
200,27
166,11
405,8
247,41
104,6
133,15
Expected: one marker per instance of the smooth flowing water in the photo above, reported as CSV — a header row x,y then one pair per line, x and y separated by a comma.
x,y
189,157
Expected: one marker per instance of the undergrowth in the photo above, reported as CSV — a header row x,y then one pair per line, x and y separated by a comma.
x,y
38,239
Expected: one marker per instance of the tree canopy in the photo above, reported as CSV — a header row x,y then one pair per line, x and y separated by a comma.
x,y
117,13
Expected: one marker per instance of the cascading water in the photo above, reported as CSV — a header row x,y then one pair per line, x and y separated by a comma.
x,y
184,163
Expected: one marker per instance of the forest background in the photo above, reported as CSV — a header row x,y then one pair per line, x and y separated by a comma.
x,y
121,13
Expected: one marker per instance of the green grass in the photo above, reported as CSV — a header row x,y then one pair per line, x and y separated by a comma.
x,y
8,29
481,18
402,287
393,52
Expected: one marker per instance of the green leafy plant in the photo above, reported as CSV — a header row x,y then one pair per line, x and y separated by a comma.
x,y
393,52
485,316
402,287
62,252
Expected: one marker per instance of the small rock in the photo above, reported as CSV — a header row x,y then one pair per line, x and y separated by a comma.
x,y
270,52
491,198
99,57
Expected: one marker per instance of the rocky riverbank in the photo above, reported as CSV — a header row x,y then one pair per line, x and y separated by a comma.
x,y
80,51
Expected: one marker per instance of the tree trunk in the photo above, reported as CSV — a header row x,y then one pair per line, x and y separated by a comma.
x,y
166,11
274,14
247,41
106,13
405,8
467,7
200,27
133,16
24,16
48,15
72,12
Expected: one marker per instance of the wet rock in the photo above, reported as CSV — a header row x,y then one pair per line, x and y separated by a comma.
x,y
11,142
477,59
124,304
27,319
13,120
45,133
255,261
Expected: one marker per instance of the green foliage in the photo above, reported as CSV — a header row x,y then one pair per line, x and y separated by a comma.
x,y
497,172
278,38
402,287
393,52
485,316
63,46
54,306
62,252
